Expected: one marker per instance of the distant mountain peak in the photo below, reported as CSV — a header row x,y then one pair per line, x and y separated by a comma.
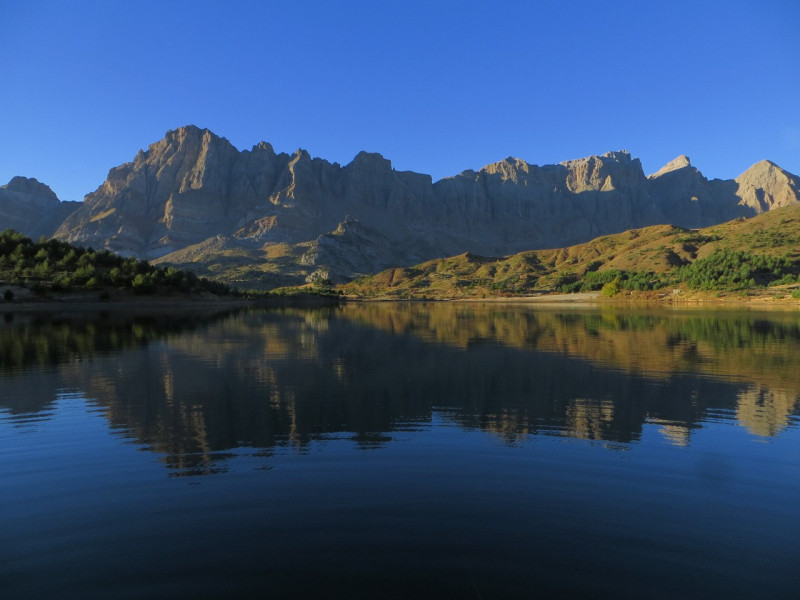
x,y
622,157
508,168
680,162
31,187
371,159
301,154
619,155
264,147
765,168
191,134
31,207
188,130
765,186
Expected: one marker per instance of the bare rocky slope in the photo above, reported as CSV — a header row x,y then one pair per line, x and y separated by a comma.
x,y
263,218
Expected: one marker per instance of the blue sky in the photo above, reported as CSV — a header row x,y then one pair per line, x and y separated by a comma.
x,y
437,87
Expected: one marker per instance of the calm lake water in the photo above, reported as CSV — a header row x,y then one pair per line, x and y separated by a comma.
x,y
401,451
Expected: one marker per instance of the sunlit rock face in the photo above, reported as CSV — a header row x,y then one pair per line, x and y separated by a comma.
x,y
693,201
765,186
193,186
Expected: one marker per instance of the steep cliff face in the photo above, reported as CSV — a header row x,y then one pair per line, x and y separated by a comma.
x,y
32,208
521,205
366,216
185,188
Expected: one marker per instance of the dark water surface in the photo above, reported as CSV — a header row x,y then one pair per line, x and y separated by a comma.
x,y
401,451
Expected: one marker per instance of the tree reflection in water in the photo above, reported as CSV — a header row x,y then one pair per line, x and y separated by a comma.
x,y
195,388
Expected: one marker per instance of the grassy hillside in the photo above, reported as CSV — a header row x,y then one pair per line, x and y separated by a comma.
x,y
739,255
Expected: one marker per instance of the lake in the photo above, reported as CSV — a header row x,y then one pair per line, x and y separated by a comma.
x,y
410,450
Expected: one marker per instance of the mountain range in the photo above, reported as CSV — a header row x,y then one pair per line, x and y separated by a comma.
x,y
261,219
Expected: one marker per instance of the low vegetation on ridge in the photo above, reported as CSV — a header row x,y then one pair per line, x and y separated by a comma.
x,y
739,255
52,266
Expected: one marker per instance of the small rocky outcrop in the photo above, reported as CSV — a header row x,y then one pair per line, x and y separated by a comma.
x,y
352,249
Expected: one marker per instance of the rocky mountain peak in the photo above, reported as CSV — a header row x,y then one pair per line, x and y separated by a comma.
x,y
186,132
762,168
680,162
30,187
371,160
301,155
188,139
766,172
610,171
31,207
265,147
620,156
614,157
765,186
509,168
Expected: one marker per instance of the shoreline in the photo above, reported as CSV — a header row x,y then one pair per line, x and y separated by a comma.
x,y
160,304
771,299
142,304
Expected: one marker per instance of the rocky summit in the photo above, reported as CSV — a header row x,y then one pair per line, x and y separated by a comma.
x,y
31,207
263,218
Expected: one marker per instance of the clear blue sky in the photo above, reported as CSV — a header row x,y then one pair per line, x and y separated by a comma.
x,y
437,87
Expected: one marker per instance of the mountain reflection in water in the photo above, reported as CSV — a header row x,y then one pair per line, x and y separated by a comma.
x,y
195,388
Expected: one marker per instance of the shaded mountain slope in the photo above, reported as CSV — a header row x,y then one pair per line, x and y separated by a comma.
x,y
31,207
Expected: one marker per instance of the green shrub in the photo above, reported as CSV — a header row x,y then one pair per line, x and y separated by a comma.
x,y
62,282
626,280
610,289
142,284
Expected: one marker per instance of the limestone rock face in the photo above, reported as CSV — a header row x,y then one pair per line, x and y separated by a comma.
x,y
522,206
32,208
365,216
187,187
765,186
680,162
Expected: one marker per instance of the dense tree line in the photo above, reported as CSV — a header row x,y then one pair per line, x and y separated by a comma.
x,y
723,270
622,279
737,270
53,265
